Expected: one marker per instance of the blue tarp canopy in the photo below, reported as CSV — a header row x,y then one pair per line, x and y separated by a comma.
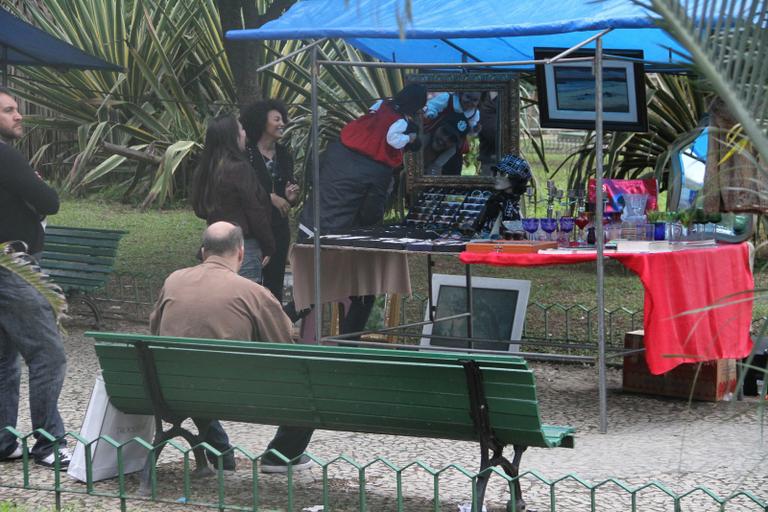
x,y
455,31
26,45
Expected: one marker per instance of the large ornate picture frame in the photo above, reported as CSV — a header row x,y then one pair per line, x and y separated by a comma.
x,y
503,88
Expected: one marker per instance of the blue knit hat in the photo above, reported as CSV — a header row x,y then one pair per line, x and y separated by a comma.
x,y
514,167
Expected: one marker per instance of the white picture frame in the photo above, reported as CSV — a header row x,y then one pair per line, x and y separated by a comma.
x,y
499,307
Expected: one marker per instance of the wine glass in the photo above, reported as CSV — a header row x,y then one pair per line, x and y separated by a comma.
x,y
549,226
531,226
566,226
581,222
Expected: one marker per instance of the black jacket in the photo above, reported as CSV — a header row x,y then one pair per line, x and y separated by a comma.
x,y
24,200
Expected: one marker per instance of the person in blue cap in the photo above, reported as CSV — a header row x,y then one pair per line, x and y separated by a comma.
x,y
511,177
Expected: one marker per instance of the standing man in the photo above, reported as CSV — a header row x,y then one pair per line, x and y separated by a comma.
x,y
211,300
27,322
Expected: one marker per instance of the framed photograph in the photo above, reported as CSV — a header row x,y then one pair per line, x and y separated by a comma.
x,y
499,307
566,91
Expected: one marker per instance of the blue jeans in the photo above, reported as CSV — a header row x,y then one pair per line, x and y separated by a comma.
x,y
251,267
28,329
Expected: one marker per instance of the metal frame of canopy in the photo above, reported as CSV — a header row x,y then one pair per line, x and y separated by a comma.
x,y
315,64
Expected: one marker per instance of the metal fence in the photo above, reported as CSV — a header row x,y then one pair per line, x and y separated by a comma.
x,y
128,297
346,484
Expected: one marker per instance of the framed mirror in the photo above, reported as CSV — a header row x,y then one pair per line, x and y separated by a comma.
x,y
686,185
456,154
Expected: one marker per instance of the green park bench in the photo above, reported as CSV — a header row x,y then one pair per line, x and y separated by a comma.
x,y
80,260
490,399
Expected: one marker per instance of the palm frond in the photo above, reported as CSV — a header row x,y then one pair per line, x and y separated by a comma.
x,y
24,269
728,41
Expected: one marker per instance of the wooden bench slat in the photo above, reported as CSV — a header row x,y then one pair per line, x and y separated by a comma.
x,y
97,232
77,257
81,242
52,251
75,266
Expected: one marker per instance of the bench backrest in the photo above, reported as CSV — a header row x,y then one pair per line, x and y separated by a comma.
x,y
335,388
79,258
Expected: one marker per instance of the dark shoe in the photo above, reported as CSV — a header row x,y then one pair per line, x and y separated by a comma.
x,y
227,461
49,461
269,464
16,454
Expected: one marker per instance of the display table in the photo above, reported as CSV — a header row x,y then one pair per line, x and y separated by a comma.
x,y
678,284
347,271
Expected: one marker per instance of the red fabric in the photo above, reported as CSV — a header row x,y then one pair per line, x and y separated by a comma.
x,y
613,189
524,259
367,135
677,282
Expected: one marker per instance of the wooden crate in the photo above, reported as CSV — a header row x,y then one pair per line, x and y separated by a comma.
x,y
510,246
709,381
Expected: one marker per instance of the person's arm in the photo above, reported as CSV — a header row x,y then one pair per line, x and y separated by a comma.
x,y
255,203
156,316
285,159
271,322
19,179
396,136
436,105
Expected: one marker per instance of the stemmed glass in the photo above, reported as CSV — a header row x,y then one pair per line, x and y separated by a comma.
x,y
549,226
531,226
566,226
581,222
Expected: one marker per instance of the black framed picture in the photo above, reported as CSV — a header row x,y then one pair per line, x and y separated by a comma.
x,y
499,312
566,91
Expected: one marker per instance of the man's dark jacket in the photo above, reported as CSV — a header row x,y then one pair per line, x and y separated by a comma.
x,y
24,200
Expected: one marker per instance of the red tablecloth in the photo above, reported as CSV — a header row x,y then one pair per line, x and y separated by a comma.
x,y
677,284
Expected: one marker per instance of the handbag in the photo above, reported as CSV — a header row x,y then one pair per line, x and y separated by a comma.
x,y
102,418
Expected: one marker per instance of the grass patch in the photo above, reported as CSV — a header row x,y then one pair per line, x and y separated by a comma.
x,y
158,241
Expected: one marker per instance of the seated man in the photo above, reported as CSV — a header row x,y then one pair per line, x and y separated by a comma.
x,y
211,300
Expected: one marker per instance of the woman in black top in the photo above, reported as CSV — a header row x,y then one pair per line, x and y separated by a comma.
x,y
264,123
226,188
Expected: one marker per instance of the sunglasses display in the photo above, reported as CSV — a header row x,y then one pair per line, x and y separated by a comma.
x,y
440,220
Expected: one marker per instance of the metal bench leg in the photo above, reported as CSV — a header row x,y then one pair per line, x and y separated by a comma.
x,y
201,464
512,469
92,305
488,442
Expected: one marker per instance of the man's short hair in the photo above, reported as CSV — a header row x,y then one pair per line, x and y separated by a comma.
x,y
6,91
217,244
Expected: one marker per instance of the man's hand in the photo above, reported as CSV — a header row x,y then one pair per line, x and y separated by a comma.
x,y
281,204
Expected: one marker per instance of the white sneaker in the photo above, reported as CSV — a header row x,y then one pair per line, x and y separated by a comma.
x,y
49,460
16,454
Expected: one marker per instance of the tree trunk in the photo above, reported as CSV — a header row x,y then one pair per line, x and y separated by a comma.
x,y
244,56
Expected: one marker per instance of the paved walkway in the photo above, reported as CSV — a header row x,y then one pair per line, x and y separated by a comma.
x,y
717,445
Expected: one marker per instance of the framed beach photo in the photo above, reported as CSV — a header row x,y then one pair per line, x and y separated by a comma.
x,y
566,91
499,307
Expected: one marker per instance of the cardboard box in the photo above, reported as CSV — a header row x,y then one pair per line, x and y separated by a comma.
x,y
709,381
509,246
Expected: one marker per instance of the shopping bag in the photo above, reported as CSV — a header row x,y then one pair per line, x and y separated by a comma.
x,y
102,418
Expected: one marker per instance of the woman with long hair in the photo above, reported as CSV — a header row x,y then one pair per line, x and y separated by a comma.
x,y
264,123
225,188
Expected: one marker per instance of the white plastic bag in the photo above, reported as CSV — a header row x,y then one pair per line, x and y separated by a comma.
x,y
102,418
